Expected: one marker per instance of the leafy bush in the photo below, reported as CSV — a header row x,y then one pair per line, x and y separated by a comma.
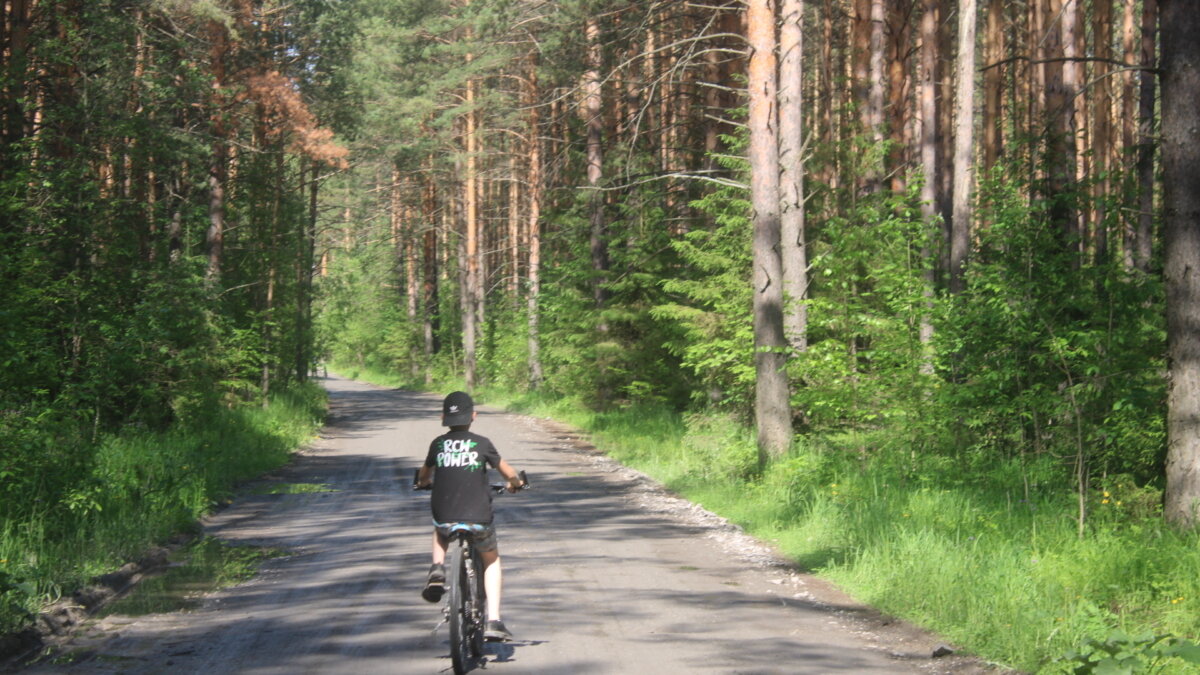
x,y
1121,654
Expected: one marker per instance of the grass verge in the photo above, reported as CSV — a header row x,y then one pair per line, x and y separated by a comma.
x,y
130,491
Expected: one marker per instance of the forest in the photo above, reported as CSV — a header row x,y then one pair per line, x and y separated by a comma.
x,y
907,287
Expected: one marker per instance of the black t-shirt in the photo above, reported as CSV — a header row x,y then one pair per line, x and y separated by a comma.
x,y
460,481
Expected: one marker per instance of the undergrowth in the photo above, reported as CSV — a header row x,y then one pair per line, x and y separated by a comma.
x,y
135,490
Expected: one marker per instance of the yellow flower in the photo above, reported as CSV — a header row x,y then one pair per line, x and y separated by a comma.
x,y
906,515
1106,494
1103,501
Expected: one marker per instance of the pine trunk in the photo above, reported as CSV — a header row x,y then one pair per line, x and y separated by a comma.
x,y
964,139
772,413
1181,240
219,164
1146,139
992,88
791,149
471,252
536,189
930,165
1102,124
595,162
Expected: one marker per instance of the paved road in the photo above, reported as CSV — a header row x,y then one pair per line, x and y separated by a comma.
x,y
604,574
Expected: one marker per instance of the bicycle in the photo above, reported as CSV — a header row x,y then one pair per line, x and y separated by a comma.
x,y
466,608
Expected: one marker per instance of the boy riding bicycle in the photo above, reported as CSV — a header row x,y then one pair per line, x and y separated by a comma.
x,y
457,463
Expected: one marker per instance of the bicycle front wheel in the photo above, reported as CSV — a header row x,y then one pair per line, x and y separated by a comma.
x,y
460,601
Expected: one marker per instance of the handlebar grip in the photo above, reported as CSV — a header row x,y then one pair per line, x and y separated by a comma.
x,y
524,480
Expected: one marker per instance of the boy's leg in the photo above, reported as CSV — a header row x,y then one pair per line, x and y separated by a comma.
x,y
439,547
492,583
435,585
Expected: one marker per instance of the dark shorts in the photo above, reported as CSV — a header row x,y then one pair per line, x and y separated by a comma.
x,y
485,535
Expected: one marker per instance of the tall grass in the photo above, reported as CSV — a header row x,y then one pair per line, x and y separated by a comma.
x,y
135,490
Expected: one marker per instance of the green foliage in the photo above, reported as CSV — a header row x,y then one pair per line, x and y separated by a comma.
x,y
1121,654
1050,355
712,304
131,490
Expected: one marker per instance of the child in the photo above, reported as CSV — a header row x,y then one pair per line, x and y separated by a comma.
x,y
457,463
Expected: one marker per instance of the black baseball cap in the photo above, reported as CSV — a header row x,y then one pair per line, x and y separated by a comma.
x,y
458,409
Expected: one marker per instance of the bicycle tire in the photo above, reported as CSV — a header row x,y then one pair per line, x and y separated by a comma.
x,y
477,618
460,619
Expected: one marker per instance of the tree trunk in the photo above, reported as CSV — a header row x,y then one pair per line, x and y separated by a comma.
x,y
429,252
533,297
1145,158
860,55
470,258
964,139
992,79
16,69
874,112
900,14
772,413
219,165
1071,127
306,260
1181,240
1060,123
595,161
830,101
1129,49
1102,134
930,164
791,157
944,76
514,228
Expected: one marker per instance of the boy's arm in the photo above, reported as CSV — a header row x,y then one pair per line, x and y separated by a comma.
x,y
425,477
510,474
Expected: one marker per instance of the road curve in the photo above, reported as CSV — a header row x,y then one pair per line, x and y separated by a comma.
x,y
604,573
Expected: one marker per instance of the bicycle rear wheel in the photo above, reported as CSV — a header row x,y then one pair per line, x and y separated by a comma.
x,y
477,616
461,647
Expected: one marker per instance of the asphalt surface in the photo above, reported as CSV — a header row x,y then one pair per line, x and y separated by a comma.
x,y
604,573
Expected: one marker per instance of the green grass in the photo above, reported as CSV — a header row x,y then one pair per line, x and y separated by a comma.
x,y
130,491
290,488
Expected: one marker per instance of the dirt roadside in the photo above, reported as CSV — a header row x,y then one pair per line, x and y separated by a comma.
x,y
605,572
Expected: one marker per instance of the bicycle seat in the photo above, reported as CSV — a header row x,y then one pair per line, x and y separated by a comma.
x,y
468,528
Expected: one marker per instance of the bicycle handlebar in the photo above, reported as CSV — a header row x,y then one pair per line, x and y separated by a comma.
x,y
496,487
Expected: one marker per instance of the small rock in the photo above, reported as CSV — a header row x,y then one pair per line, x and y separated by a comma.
x,y
942,650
